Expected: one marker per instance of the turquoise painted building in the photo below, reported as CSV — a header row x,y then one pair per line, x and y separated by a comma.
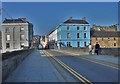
x,y
74,33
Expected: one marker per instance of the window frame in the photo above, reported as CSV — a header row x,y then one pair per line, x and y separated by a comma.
x,y
7,37
78,35
85,35
78,28
78,44
85,44
7,46
85,28
7,30
21,38
68,35
22,29
68,27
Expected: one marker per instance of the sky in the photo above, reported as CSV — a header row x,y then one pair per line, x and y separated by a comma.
x,y
45,16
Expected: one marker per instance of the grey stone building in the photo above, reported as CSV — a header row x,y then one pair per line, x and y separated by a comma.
x,y
17,34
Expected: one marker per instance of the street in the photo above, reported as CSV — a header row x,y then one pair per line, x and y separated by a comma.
x,y
47,65
92,71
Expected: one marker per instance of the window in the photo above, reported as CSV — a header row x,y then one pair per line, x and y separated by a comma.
x,y
84,35
7,30
21,37
96,39
114,44
7,37
114,38
84,43
85,28
78,35
102,39
22,45
68,28
21,29
68,35
68,44
7,45
78,43
78,28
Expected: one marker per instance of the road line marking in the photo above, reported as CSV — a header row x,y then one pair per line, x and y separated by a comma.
x,y
77,75
93,61
99,63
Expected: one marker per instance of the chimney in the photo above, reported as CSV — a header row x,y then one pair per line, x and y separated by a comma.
x,y
70,18
84,18
23,19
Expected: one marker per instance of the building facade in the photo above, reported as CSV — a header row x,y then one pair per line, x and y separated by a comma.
x,y
72,33
17,34
53,35
106,39
36,41
104,28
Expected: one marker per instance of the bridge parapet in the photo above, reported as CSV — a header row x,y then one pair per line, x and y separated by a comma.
x,y
11,60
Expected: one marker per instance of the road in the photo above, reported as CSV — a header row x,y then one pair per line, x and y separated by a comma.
x,y
43,66
90,70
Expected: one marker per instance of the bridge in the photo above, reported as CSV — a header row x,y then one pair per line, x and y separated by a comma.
x,y
59,65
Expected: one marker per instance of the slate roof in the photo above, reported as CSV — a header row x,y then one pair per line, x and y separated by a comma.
x,y
14,21
105,33
76,21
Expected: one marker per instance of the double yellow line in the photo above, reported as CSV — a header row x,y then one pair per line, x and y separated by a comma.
x,y
73,72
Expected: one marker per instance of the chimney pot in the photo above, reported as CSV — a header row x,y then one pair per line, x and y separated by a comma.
x,y
84,18
70,18
23,19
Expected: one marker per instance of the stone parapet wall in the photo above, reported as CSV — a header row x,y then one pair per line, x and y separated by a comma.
x,y
10,61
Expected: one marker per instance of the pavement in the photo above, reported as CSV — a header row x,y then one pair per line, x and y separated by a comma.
x,y
35,68
103,58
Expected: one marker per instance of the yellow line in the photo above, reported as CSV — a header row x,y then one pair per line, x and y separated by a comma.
x,y
97,62
66,68
77,75
100,63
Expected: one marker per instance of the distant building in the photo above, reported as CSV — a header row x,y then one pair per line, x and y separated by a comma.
x,y
106,36
36,41
44,40
72,33
106,39
17,34
104,28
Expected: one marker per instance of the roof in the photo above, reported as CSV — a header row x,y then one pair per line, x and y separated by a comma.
x,y
73,21
19,20
105,33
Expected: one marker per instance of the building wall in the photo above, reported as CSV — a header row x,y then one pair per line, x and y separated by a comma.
x,y
15,41
31,33
106,43
104,28
53,35
62,34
